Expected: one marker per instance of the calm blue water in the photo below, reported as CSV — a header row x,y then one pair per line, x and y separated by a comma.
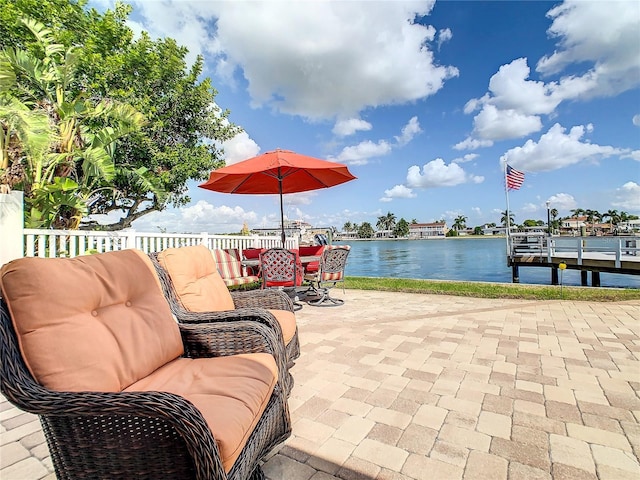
x,y
473,259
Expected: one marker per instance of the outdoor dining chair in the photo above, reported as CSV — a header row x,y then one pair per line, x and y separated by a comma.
x,y
122,390
331,272
281,268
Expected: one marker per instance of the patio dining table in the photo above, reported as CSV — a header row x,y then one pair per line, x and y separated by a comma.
x,y
305,260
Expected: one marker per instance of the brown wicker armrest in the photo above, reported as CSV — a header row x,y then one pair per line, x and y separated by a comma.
x,y
229,338
268,298
232,317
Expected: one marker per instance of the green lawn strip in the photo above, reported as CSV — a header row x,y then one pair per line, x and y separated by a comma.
x,y
493,290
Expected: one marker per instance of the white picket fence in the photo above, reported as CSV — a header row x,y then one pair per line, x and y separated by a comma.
x,y
71,243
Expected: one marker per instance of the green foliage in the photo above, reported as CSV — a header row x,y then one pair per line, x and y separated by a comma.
x,y
459,223
56,202
401,229
533,223
386,222
452,233
184,126
507,216
365,230
79,159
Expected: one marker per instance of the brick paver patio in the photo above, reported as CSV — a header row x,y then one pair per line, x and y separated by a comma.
x,y
405,386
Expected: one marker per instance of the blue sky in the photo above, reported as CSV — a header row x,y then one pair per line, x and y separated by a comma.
x,y
423,100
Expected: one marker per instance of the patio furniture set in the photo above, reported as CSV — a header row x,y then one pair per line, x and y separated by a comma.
x,y
320,266
148,366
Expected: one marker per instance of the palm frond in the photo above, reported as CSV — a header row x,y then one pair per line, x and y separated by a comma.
x,y
97,165
44,36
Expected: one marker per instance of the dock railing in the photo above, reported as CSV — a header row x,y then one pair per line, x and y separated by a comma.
x,y
548,247
71,243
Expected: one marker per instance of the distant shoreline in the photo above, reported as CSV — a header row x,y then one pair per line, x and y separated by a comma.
x,y
475,237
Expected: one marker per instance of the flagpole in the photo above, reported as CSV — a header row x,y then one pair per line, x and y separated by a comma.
x,y
506,191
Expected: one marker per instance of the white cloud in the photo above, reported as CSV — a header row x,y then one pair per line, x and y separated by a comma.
x,y
634,155
557,149
302,198
344,128
495,124
600,35
410,130
399,191
472,144
200,217
529,208
361,153
444,36
597,40
469,157
628,197
636,120
437,174
562,202
240,147
511,108
511,90
310,58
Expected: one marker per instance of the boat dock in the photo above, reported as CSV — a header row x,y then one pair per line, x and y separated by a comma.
x,y
587,254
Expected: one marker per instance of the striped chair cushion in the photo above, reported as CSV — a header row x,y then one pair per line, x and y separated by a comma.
x,y
230,268
332,276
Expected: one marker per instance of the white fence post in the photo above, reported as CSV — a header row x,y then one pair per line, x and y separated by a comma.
x,y
130,239
11,226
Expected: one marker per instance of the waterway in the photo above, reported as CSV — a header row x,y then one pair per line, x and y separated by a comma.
x,y
463,259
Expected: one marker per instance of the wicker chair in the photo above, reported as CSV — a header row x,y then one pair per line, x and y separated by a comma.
x,y
266,306
95,434
331,272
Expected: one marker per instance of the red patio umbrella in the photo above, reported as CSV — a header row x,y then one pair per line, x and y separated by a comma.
x,y
278,171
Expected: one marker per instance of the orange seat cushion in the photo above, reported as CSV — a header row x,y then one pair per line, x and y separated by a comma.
x,y
196,280
96,322
230,392
287,321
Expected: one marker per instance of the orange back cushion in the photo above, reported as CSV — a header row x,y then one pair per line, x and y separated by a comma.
x,y
97,322
195,279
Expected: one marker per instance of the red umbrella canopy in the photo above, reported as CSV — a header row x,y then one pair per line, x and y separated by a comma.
x,y
279,171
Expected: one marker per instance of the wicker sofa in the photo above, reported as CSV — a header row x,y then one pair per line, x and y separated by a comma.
x,y
122,390
196,293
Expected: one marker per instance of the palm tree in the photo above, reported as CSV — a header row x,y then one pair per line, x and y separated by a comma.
x,y
592,215
24,134
459,223
576,212
79,163
613,216
507,217
554,220
386,222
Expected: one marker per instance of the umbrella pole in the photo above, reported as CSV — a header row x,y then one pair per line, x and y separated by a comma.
x,y
283,235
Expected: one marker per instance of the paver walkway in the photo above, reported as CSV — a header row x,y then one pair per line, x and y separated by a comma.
x,y
406,386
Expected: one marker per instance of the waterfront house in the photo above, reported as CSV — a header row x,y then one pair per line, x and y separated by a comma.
x,y
573,225
428,230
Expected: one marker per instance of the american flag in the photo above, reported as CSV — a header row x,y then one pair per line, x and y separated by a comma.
x,y
515,179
